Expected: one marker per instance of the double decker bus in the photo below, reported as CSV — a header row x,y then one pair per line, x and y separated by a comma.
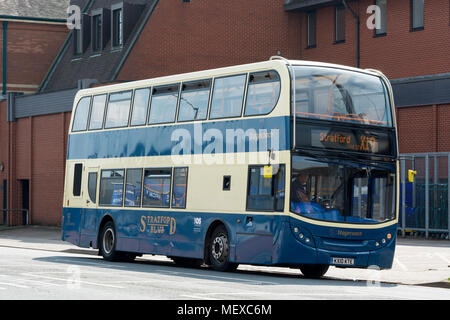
x,y
276,163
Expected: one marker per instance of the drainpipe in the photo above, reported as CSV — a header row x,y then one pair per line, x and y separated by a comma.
x,y
5,28
344,2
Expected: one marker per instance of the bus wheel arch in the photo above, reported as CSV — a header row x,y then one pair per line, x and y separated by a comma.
x,y
105,219
218,235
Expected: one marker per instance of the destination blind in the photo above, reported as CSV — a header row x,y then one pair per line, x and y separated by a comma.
x,y
367,141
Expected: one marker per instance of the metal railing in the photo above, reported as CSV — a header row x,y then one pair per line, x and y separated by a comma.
x,y
14,217
425,202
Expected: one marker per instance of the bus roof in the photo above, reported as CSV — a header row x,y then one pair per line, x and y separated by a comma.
x,y
272,63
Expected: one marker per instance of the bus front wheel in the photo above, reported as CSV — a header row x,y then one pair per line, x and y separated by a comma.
x,y
219,250
314,271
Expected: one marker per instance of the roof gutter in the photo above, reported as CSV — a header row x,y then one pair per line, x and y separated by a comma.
x,y
357,49
5,51
32,19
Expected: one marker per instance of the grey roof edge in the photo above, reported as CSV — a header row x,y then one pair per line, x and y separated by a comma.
x,y
33,19
133,41
307,4
61,53
431,77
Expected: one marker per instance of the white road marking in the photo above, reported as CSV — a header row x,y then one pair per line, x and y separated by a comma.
x,y
66,280
218,277
14,285
401,265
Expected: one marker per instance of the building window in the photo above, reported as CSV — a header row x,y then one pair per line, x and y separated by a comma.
x,y
97,32
417,14
382,4
339,28
311,29
117,27
77,42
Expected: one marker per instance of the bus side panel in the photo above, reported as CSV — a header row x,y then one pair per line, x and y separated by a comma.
x,y
88,230
71,224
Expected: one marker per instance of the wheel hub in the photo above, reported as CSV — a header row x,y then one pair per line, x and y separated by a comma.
x,y
108,241
218,247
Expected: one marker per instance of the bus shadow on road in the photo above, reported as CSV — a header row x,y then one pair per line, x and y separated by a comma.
x,y
262,276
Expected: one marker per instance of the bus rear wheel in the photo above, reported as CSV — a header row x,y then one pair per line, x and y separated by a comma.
x,y
314,271
108,241
219,250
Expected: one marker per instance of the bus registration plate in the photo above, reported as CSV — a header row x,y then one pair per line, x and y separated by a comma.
x,y
343,261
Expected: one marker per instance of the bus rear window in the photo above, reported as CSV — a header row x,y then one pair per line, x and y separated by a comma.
x,y
81,115
263,92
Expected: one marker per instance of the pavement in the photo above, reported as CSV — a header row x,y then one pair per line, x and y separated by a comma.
x,y
416,262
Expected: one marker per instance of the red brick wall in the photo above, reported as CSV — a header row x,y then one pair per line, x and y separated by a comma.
x,y
37,148
31,49
399,54
183,37
48,163
424,129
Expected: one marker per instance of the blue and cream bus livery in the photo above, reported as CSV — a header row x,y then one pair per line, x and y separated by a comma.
x,y
277,163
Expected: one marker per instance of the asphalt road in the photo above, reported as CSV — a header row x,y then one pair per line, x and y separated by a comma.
x,y
38,271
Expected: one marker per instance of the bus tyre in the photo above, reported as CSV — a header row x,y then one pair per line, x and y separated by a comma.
x,y
219,250
108,241
314,271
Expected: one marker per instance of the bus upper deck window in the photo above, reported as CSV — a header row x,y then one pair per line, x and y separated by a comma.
x,y
228,96
97,112
81,115
263,92
140,107
194,100
164,104
118,109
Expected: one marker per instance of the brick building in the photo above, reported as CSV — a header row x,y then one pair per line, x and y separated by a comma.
x,y
125,40
31,35
30,38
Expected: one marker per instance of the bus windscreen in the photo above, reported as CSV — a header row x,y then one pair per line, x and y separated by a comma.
x,y
342,191
341,95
